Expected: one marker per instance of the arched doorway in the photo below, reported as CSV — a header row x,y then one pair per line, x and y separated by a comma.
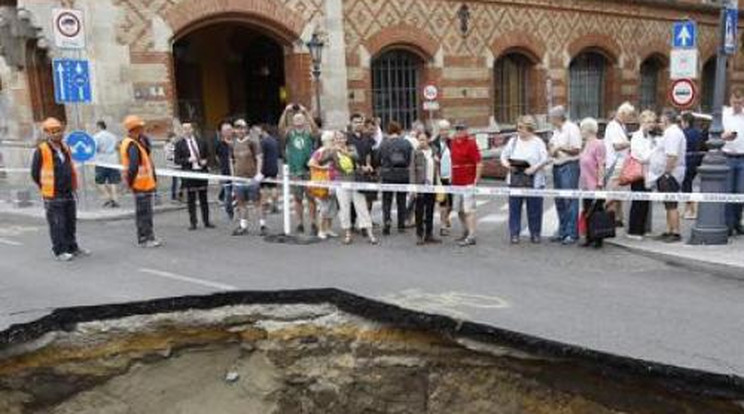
x,y
41,84
396,81
229,70
588,85
708,85
651,80
513,81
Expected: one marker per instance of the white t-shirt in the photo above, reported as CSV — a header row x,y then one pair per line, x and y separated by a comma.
x,y
615,135
641,147
673,143
106,147
533,151
733,122
569,136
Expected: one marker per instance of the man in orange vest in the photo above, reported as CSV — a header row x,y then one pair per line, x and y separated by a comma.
x,y
53,171
139,173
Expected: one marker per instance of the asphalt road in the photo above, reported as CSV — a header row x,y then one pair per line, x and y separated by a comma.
x,y
608,300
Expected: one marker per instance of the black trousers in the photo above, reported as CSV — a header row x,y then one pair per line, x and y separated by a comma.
x,y
590,205
425,214
61,214
193,193
143,216
638,211
387,204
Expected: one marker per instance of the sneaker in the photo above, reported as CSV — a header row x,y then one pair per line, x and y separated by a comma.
x,y
322,235
151,244
514,240
81,252
556,239
673,238
634,237
107,204
535,239
568,241
240,231
331,234
462,238
467,242
64,257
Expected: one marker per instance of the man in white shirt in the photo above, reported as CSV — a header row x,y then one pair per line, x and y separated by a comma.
x,y
733,135
617,146
674,146
564,148
107,152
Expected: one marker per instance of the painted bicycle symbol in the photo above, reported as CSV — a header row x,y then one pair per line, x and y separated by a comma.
x,y
453,304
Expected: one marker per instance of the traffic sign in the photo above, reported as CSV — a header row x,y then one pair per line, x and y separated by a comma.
x,y
71,81
69,31
683,64
431,106
82,146
732,20
684,35
431,92
683,93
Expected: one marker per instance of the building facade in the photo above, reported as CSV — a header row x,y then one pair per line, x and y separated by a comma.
x,y
203,60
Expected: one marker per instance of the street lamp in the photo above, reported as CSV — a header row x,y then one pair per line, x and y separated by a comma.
x,y
711,227
315,45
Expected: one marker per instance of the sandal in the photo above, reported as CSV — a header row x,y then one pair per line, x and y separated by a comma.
x,y
371,237
347,238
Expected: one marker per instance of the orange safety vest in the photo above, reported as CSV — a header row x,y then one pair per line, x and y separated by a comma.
x,y
145,179
47,169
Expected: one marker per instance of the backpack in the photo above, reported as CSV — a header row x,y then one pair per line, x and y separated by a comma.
x,y
398,158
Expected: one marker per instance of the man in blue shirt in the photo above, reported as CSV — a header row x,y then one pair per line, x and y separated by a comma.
x,y
270,169
694,157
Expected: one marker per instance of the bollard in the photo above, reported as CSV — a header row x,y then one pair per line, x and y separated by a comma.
x,y
286,201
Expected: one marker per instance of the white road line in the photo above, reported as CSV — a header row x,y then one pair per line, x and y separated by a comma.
x,y
505,208
182,278
10,242
494,219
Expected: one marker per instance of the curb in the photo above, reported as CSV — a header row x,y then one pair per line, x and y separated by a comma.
x,y
124,215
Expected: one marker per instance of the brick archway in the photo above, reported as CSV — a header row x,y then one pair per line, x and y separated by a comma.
x,y
600,43
405,37
520,42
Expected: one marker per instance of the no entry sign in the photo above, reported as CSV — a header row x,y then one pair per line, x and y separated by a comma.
x,y
431,92
683,93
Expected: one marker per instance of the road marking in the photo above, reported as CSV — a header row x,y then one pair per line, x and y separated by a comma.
x,y
450,303
188,279
494,218
10,242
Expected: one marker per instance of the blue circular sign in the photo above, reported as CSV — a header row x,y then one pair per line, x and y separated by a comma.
x,y
82,146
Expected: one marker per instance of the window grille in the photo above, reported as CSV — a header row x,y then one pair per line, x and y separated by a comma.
x,y
396,77
587,86
511,81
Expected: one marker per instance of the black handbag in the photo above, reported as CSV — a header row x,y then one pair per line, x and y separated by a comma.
x,y
600,223
520,179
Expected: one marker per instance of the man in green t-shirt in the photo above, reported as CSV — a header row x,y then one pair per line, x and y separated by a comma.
x,y
300,143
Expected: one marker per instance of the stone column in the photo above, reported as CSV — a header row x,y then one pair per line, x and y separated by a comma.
x,y
334,77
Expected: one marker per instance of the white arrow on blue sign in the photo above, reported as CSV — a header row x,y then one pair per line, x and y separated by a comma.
x,y
71,81
732,21
82,146
684,35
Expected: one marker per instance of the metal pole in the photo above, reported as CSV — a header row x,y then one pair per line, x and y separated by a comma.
x,y
286,201
316,75
711,227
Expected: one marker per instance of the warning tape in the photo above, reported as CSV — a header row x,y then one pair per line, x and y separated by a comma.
x,y
467,190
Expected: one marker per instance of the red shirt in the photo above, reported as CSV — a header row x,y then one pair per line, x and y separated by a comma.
x,y
465,156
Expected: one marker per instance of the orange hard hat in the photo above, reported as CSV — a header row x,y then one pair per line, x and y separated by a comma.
x,y
133,121
51,123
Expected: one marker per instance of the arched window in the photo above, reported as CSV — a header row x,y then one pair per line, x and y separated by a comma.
x,y
396,80
512,86
708,83
650,80
587,85
41,84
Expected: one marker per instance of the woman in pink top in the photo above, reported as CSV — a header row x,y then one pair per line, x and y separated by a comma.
x,y
592,164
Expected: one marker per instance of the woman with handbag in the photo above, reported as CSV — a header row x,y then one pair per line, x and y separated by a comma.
x,y
592,177
323,168
425,171
525,156
635,171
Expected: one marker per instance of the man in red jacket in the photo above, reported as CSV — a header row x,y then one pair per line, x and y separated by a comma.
x,y
466,172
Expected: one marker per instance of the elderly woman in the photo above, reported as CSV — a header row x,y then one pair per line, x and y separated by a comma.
x,y
592,165
325,159
525,156
641,148
617,146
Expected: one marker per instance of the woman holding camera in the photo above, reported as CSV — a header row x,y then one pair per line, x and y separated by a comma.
x,y
525,156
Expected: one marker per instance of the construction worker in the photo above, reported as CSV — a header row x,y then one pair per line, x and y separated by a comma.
x,y
139,174
53,171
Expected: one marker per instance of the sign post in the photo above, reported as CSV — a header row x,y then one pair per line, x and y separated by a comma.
x,y
430,105
69,32
82,149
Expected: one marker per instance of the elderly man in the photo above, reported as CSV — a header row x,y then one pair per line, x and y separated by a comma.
x,y
54,173
674,147
617,146
733,125
564,149
466,172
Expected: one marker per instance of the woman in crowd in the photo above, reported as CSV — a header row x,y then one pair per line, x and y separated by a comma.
x,y
592,164
525,156
425,171
325,159
641,147
345,158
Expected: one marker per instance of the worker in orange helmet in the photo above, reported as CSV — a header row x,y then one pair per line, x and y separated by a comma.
x,y
53,171
139,175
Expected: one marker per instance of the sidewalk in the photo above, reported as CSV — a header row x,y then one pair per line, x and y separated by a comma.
x,y
92,213
727,261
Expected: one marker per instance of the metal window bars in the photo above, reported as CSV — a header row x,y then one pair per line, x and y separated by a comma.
x,y
587,86
511,75
396,76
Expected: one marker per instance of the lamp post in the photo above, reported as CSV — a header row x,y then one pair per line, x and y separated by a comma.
x,y
711,227
315,45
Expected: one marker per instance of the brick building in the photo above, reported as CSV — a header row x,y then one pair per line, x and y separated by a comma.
x,y
492,60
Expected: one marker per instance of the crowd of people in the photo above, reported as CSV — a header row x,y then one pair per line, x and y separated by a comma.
x,y
662,154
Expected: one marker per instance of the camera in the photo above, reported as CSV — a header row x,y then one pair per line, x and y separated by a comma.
x,y
656,132
295,107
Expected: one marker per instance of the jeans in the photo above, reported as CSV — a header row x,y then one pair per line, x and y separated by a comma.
x,y
387,203
61,216
639,210
566,177
534,215
425,214
735,186
143,214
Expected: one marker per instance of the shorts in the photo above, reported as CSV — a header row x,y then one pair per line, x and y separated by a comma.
x,y
247,192
267,185
107,176
328,207
299,192
668,184
464,203
447,202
